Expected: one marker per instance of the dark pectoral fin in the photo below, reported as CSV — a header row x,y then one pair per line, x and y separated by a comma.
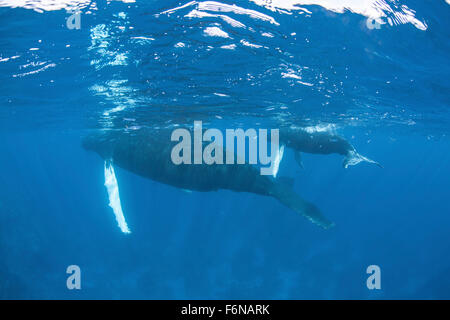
x,y
298,158
287,181
292,200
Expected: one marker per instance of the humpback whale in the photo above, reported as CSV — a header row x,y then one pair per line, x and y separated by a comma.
x,y
147,153
320,142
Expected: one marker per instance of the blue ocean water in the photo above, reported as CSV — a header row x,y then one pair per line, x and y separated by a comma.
x,y
374,72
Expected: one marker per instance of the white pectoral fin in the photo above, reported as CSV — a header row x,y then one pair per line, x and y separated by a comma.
x,y
277,161
114,198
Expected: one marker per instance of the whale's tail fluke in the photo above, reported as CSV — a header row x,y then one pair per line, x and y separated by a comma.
x,y
353,158
289,198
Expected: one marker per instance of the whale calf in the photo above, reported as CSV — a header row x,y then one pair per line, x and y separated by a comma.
x,y
147,153
304,139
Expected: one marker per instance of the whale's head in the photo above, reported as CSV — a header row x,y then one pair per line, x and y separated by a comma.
x,y
99,142
89,142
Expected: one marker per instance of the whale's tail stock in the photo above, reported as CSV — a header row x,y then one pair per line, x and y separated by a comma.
x,y
353,158
287,196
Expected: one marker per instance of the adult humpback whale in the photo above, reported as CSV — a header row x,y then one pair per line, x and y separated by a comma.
x,y
147,152
320,142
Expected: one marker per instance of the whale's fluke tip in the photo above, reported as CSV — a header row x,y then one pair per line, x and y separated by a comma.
x,y
329,226
353,158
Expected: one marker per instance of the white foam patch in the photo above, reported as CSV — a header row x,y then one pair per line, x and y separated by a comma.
x,y
321,127
229,47
290,74
114,198
251,45
51,5
216,32
215,6
394,13
200,14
